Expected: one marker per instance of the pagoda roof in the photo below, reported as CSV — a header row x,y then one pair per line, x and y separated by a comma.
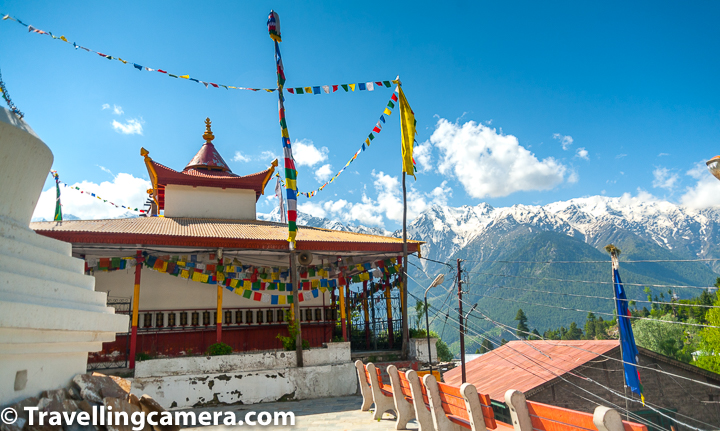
x,y
208,158
206,169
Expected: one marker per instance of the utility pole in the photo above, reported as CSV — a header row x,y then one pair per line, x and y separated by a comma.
x,y
462,326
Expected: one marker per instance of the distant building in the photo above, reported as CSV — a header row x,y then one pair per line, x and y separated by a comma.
x,y
576,375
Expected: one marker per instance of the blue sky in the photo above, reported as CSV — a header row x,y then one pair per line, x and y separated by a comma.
x,y
517,103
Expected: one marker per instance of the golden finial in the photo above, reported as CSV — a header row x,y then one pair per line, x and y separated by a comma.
x,y
208,136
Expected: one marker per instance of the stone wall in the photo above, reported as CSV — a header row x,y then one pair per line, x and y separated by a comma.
x,y
249,387
661,390
247,378
332,353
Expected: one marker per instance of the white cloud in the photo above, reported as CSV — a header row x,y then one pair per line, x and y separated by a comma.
x,y
323,173
663,154
565,141
386,204
574,177
312,208
117,110
582,153
620,156
124,189
706,192
106,170
307,154
268,155
488,163
239,157
423,156
131,127
664,178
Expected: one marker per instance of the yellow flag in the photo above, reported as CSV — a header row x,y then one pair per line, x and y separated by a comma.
x,y
308,90
185,76
387,111
352,87
407,132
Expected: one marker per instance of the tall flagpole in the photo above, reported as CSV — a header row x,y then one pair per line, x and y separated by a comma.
x,y
273,24
403,291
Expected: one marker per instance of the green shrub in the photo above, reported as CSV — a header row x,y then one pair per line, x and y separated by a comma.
x,y
443,351
289,343
219,349
142,356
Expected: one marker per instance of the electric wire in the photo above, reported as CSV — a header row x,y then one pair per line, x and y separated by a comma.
x,y
580,375
510,329
679,304
641,420
550,371
678,286
599,312
592,261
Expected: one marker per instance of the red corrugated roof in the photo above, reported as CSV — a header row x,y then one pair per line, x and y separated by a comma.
x,y
214,233
526,365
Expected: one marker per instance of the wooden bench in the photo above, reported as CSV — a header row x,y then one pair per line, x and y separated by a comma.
x,y
454,408
529,416
421,404
364,382
382,394
402,396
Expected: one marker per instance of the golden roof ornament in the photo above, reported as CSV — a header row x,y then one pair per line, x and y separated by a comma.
x,y
208,135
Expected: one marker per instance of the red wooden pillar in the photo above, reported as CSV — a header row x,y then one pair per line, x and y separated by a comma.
x,y
135,309
367,315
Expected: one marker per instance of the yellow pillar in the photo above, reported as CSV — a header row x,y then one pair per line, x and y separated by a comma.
x,y
219,319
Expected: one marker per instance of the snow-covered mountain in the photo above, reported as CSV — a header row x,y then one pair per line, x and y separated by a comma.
x,y
683,232
304,219
687,233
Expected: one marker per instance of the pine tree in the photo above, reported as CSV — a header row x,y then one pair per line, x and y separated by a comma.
x,y
486,346
590,326
503,342
522,327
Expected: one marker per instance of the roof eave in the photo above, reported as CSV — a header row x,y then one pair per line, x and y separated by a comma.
x,y
254,244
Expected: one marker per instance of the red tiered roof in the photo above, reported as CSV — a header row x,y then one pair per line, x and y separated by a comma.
x,y
206,169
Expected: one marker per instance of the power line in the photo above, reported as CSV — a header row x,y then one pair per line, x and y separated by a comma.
x,y
679,304
592,282
598,354
433,260
589,351
600,312
580,375
555,374
592,261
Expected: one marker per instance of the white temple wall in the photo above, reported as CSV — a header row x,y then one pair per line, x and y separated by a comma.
x,y
160,291
209,202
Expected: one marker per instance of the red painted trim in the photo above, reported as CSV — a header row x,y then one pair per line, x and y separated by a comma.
x,y
75,237
133,347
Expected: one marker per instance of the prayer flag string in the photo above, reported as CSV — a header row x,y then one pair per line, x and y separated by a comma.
x,y
318,89
364,146
91,194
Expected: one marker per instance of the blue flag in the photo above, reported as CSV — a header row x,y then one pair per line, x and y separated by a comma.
x,y
627,339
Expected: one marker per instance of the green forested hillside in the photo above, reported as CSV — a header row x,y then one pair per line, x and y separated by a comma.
x,y
499,289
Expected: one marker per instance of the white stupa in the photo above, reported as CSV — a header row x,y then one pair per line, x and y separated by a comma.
x,y
50,314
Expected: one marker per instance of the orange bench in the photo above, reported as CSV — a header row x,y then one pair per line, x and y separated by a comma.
x,y
364,382
421,404
456,408
402,396
381,393
529,416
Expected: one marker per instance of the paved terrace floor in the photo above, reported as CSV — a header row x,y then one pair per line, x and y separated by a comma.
x,y
325,414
